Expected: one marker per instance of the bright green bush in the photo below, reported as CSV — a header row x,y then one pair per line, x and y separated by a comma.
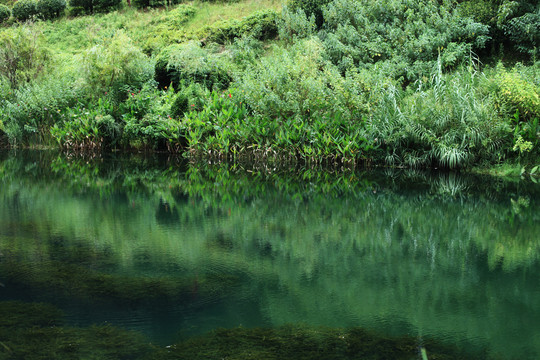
x,y
35,107
81,6
50,9
5,13
25,10
22,57
115,65
517,94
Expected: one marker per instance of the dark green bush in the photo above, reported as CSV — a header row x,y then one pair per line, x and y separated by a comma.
x,y
24,10
106,5
91,6
5,13
81,6
142,4
50,9
180,105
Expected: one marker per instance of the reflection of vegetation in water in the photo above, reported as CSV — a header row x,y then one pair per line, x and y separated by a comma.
x,y
70,280
34,331
441,245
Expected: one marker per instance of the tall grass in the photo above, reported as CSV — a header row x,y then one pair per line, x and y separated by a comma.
x,y
446,122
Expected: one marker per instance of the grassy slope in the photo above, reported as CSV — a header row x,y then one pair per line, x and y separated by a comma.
x,y
151,29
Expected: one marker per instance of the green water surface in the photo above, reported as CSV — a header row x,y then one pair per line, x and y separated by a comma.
x,y
126,257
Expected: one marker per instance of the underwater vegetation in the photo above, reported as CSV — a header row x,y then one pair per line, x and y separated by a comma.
x,y
34,331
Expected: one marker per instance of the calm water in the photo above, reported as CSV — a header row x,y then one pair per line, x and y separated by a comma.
x,y
173,250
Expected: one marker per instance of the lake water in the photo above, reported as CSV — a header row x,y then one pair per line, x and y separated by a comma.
x,y
445,263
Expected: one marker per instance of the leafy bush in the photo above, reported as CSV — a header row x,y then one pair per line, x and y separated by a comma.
x,y
115,65
85,129
408,35
22,58
189,62
513,24
148,120
154,131
5,13
524,32
24,10
312,8
50,9
515,94
260,25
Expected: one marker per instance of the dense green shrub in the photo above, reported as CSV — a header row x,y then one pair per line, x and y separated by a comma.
x,y
260,25
190,62
50,9
5,13
180,106
513,24
115,65
299,83
85,129
25,10
294,25
408,35
22,58
34,108
310,8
